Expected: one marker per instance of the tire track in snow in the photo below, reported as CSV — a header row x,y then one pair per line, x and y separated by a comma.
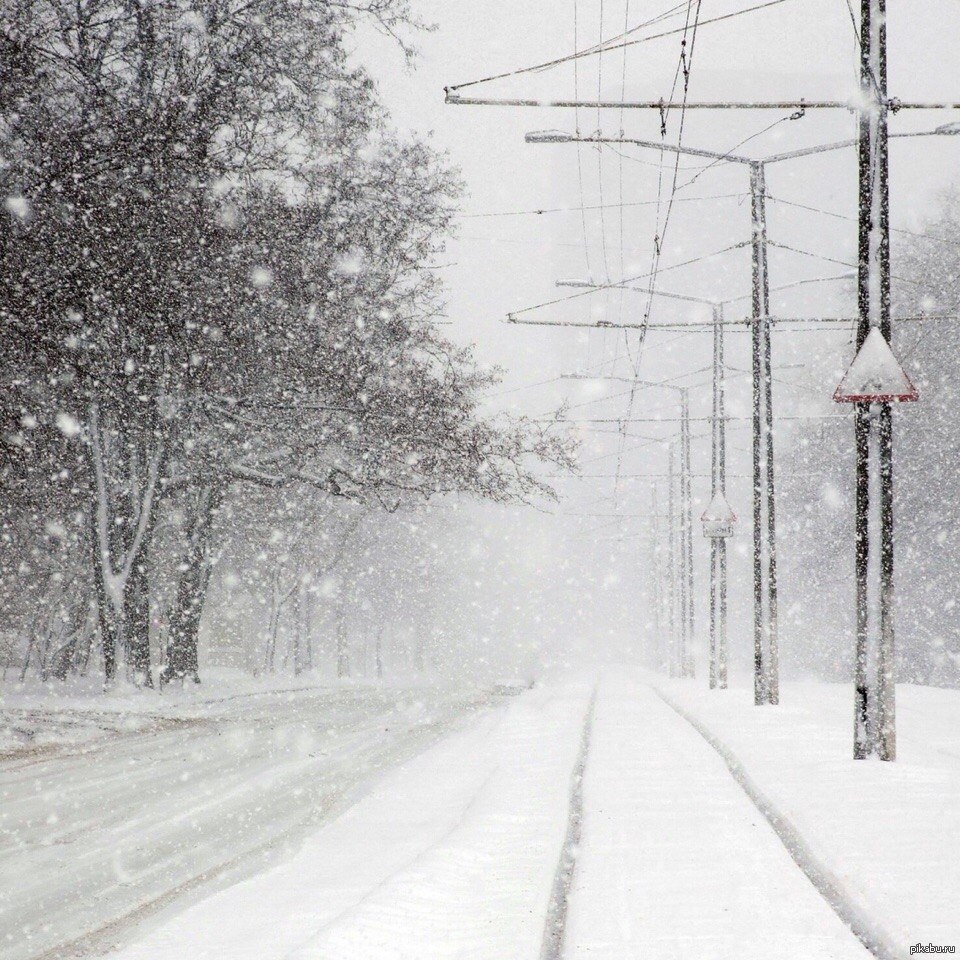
x,y
361,770
863,926
555,926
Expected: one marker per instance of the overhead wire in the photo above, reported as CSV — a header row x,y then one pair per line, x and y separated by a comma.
x,y
576,123
850,219
728,153
686,59
546,65
642,276
577,209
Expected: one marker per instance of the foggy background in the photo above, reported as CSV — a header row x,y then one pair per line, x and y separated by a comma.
x,y
559,585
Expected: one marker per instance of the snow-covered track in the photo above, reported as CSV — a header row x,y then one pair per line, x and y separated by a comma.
x,y
866,928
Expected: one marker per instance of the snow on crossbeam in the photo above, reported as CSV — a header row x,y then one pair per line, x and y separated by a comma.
x,y
875,376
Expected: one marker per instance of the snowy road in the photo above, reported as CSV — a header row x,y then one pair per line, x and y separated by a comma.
x,y
453,855
108,832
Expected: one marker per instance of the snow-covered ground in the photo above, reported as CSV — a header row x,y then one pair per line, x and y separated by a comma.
x,y
126,807
883,838
404,825
37,716
451,856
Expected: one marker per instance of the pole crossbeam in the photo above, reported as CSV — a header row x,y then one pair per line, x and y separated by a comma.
x,y
893,105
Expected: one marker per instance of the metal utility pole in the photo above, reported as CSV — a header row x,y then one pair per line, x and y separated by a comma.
x,y
765,643
718,545
676,644
687,662
873,428
655,568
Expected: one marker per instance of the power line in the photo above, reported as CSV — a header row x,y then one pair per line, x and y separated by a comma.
x,y
642,276
593,51
842,216
578,209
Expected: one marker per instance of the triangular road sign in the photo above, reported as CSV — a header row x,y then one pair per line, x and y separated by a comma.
x,y
875,376
718,519
719,509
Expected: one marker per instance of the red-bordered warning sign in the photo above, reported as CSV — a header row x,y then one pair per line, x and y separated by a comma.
x,y
875,376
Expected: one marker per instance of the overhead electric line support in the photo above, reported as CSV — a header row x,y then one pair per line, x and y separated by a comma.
x,y
872,110
766,639
718,492
894,105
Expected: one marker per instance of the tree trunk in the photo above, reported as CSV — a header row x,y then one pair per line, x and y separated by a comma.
x,y
127,491
182,656
298,631
108,627
272,628
308,629
136,619
66,657
181,653
343,653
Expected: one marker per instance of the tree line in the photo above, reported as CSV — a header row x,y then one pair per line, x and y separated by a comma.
x,y
220,309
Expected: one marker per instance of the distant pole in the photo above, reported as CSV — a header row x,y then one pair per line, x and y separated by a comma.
x,y
687,667
766,647
874,722
757,353
718,545
672,565
722,480
684,560
714,487
655,571
772,624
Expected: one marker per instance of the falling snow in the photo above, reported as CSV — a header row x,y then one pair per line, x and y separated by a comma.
x,y
428,527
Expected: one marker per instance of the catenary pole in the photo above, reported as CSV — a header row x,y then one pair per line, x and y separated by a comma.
x,y
874,703
757,354
714,487
655,567
772,665
722,471
672,563
687,668
718,545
